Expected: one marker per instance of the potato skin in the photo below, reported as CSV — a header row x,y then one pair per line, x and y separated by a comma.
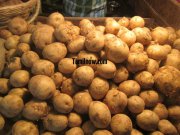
x,y
102,132
12,42
116,101
111,26
2,122
5,34
86,26
145,123
58,79
22,48
136,132
121,124
26,38
99,114
55,19
121,74
24,127
42,87
152,66
137,47
14,64
161,110
4,85
88,128
74,120
75,131
136,21
174,112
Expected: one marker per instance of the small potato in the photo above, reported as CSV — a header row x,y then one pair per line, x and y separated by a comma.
x,y
121,74
35,110
128,37
69,87
121,124
24,127
86,26
116,101
5,34
19,78
176,44
102,132
67,66
152,66
136,21
156,133
43,67
137,47
100,28
63,103
161,110
121,31
75,131
74,120
18,26
145,79
94,41
22,48
136,104
41,87
26,38
21,92
54,52
88,128
4,85
166,127
55,19
12,42
82,101
57,78
174,112
55,122
99,114
124,21
76,45
98,88
83,75
147,120
11,106
129,87
111,26
29,58
14,64
136,132
2,122
107,70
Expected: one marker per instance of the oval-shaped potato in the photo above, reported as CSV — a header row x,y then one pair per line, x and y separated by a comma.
x,y
121,74
4,85
74,120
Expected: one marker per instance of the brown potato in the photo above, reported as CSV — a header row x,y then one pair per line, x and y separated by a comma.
x,y
22,48
10,54
5,34
74,120
86,26
58,79
4,85
42,87
128,37
54,52
121,74
161,110
2,122
116,101
102,132
121,31
55,19
136,21
26,38
21,92
136,132
121,124
88,128
174,112
111,26
75,131
14,64
137,47
12,42
124,21
152,66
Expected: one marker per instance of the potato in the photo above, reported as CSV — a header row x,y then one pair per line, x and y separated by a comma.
x,y
43,67
100,28
129,87
167,81
86,26
152,66
99,114
26,38
83,75
65,32
14,64
29,58
11,106
128,37
12,42
88,128
117,51
55,122
74,120
174,112
137,61
5,34
156,133
76,45
2,122
106,71
69,87
57,78
35,110
145,79
67,66
10,54
136,132
43,36
176,44
41,87
22,48
24,127
172,35
63,103
98,88
102,132
111,26
121,124
136,104
75,131
55,19
19,78
160,35
137,47
136,21
121,31
166,127
48,133
94,41
124,21
147,120
4,85
54,52
161,110
82,101
143,35
21,92
116,101
121,74
18,26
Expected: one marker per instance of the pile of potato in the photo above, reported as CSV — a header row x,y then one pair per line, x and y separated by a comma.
x,y
42,92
